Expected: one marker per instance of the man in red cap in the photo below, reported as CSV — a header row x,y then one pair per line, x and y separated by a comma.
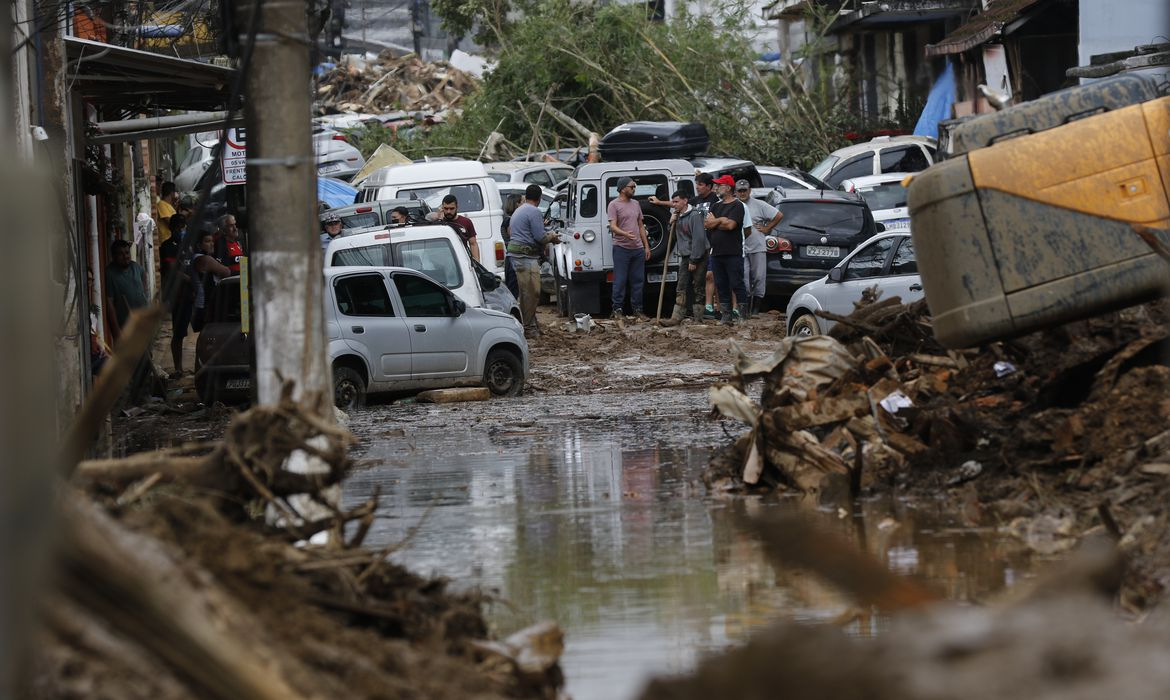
x,y
724,225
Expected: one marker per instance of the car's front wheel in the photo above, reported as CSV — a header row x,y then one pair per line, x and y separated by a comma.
x,y
804,325
503,374
349,390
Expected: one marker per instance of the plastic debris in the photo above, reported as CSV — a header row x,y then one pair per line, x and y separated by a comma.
x,y
1003,369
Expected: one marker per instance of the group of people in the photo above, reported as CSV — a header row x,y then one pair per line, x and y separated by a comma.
x,y
719,235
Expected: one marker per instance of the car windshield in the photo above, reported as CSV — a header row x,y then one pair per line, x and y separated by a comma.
x,y
823,217
500,177
889,195
433,257
821,169
469,197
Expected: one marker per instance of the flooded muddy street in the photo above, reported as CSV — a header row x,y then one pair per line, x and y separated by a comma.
x,y
589,512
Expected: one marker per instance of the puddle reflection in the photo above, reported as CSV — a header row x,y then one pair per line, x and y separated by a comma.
x,y
605,529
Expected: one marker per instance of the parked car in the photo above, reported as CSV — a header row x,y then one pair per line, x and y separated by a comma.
x,y
223,353
885,196
392,329
335,156
789,178
540,173
367,214
477,194
885,261
434,250
192,167
883,154
819,228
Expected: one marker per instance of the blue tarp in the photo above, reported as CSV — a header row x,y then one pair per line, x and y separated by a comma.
x,y
334,192
938,104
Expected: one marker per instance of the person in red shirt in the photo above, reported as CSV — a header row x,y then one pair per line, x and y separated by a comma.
x,y
450,214
228,247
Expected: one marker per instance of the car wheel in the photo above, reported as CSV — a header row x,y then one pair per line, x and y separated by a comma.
x,y
562,293
657,223
349,391
503,374
804,325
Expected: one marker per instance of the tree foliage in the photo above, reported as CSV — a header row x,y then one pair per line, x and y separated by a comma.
x,y
603,65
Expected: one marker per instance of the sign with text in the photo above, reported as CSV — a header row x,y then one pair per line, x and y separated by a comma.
x,y
235,157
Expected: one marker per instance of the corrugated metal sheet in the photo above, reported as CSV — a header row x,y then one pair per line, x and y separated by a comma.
x,y
983,27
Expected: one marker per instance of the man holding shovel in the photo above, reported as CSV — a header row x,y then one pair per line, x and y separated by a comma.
x,y
691,240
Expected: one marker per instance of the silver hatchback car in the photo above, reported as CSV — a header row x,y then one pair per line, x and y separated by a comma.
x,y
885,261
392,329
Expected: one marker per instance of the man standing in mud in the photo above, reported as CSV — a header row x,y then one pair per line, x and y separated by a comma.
x,y
704,197
724,224
524,248
631,248
692,253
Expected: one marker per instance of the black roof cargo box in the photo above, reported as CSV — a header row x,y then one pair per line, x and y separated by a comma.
x,y
654,141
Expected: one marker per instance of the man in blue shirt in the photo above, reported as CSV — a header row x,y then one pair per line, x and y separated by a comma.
x,y
524,249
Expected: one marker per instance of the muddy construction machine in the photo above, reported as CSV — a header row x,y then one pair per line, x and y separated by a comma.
x,y
1047,212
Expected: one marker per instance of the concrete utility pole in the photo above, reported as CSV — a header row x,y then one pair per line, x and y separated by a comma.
x,y
285,261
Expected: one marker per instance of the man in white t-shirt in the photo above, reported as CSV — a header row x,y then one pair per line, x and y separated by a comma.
x,y
764,218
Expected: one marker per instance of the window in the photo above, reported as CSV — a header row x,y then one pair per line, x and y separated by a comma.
x,y
369,218
771,180
859,166
434,257
422,297
822,217
906,159
644,186
889,195
369,256
500,177
904,262
870,260
363,295
470,197
588,201
560,173
539,177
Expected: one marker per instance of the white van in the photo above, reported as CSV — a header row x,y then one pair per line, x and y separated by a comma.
x,y
479,198
436,251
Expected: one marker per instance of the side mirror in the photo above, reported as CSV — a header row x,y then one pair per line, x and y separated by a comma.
x,y
458,306
836,275
881,228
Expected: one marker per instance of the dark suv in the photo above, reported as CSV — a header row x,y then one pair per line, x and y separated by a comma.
x,y
223,352
818,229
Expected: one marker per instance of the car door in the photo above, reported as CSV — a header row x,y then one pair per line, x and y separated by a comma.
x,y
902,279
903,159
441,341
861,271
371,326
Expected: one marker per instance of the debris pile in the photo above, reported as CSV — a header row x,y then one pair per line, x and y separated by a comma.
x,y
382,84
1055,433
174,585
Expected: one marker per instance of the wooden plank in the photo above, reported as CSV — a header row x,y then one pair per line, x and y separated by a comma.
x,y
475,393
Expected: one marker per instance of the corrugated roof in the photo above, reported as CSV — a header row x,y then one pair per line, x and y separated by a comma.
x,y
983,27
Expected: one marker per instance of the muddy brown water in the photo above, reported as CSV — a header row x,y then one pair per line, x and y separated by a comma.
x,y
588,510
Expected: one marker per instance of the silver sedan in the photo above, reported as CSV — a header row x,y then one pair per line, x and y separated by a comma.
x,y
885,261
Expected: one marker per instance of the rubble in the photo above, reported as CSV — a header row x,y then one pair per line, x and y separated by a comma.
x,y
1063,426
382,84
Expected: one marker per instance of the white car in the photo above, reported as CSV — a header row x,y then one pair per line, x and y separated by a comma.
x,y
885,196
435,251
788,178
391,329
885,261
884,154
335,158
530,172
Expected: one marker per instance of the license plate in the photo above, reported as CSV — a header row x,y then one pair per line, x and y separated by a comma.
x,y
330,168
242,383
822,251
670,277
898,224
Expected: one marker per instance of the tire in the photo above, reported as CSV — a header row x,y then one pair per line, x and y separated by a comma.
x,y
803,325
657,222
349,391
503,374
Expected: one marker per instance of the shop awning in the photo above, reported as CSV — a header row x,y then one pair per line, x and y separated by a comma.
x,y
889,13
996,20
137,82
